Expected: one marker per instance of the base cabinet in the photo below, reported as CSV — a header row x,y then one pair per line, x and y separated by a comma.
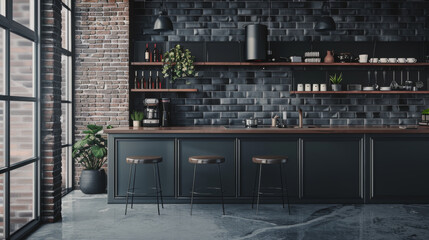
x,y
331,168
144,178
270,173
207,174
400,168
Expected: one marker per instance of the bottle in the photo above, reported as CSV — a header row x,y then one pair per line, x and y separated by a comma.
x,y
136,80
147,53
142,81
157,82
155,57
329,57
149,82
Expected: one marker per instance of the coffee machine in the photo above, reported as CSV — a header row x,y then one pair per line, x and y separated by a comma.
x,y
151,112
165,116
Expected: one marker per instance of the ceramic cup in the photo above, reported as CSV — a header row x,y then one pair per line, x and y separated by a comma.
x,y
315,87
402,60
363,58
392,60
373,60
308,87
383,60
300,87
411,60
323,87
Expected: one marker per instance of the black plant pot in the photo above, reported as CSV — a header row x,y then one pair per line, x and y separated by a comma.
x,y
93,181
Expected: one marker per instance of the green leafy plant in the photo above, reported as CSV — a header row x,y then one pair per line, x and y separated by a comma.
x,y
336,80
137,116
178,63
426,111
91,151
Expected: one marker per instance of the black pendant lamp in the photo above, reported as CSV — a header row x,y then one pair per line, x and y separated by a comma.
x,y
325,23
163,22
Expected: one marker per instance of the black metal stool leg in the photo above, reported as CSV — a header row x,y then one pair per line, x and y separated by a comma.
x,y
134,184
287,194
254,186
160,187
128,189
259,188
156,186
281,181
193,188
221,188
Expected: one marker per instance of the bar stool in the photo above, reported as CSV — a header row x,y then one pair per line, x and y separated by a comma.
x,y
263,160
134,161
197,160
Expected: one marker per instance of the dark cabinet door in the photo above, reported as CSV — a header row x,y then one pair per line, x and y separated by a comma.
x,y
207,174
270,173
400,168
332,168
144,178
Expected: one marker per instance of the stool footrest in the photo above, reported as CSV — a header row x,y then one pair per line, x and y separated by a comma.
x,y
203,193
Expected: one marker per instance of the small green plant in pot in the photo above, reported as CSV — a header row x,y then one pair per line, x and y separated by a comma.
x,y
137,117
91,152
178,63
336,80
425,115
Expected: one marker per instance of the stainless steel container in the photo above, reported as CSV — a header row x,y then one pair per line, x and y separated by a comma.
x,y
256,42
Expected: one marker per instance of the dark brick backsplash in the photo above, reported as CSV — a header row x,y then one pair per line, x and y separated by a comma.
x,y
228,94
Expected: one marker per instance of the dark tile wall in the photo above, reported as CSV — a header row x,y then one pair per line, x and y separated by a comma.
x,y
227,95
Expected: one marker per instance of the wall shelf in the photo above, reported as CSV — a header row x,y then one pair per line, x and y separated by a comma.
x,y
165,90
359,92
288,64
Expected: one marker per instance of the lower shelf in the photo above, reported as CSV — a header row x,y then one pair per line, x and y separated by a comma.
x,y
359,92
165,90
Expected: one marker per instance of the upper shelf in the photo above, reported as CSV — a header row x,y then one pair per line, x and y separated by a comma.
x,y
284,64
359,92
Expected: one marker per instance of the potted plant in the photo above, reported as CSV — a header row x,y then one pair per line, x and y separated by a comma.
x,y
425,115
91,153
178,63
336,80
137,116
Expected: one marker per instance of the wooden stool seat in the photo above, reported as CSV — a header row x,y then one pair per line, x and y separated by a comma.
x,y
269,159
143,159
206,159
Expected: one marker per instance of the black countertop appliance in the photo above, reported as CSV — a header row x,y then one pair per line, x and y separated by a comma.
x,y
256,42
165,116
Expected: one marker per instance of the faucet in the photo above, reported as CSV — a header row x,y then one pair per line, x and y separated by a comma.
x,y
300,117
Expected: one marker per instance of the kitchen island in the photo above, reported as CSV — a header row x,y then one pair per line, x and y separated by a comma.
x,y
326,164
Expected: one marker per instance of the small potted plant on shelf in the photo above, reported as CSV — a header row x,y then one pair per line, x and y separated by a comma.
x,y
91,152
178,63
336,80
137,117
425,115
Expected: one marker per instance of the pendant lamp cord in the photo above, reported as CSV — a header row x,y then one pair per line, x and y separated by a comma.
x,y
269,24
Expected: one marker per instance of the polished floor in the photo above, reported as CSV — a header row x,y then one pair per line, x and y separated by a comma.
x,y
90,217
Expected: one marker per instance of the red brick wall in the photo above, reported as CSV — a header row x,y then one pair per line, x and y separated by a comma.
x,y
51,110
101,67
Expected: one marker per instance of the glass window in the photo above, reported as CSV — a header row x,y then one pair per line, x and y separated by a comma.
x,y
65,28
66,94
2,8
23,12
2,65
65,139
2,133
21,66
21,131
2,198
21,196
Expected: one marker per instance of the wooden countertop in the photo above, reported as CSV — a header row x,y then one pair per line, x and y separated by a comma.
x,y
270,130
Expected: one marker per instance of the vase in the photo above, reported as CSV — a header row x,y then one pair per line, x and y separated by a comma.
x,y
329,57
136,124
336,87
93,181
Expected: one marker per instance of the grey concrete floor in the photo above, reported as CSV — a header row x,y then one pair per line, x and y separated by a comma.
x,y
90,217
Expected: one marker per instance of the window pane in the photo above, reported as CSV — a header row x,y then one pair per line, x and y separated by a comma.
x,y
67,2
23,12
2,82
2,8
65,167
21,66
65,78
21,131
2,133
65,28
2,196
21,196
64,123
